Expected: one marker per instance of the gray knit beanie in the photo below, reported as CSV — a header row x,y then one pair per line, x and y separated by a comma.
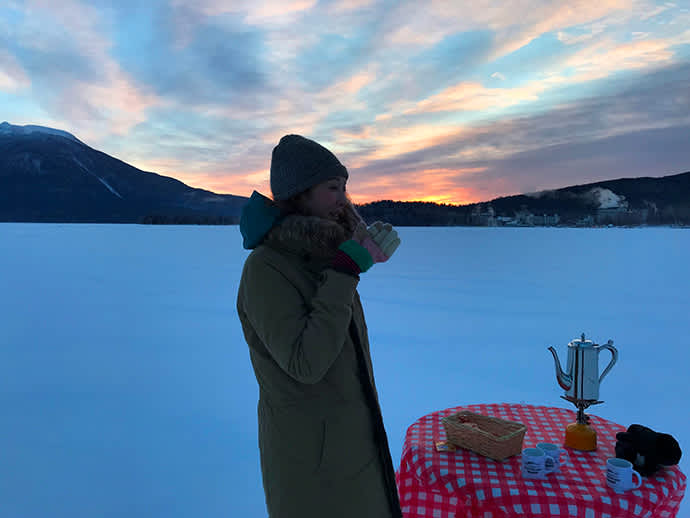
x,y
298,163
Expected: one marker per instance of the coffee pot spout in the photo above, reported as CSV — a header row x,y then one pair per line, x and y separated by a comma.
x,y
565,379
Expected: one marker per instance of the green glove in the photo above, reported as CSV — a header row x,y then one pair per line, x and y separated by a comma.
x,y
368,246
353,252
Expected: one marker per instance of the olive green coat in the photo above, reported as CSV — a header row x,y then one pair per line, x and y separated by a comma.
x,y
323,448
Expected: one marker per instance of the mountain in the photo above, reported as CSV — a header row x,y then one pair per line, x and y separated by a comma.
x,y
49,175
666,197
625,201
9,129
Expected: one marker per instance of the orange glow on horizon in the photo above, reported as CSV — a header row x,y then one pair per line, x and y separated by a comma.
x,y
436,186
450,198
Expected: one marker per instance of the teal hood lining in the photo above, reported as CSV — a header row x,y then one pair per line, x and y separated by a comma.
x,y
259,216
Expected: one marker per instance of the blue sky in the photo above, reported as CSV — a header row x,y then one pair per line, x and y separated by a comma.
x,y
447,101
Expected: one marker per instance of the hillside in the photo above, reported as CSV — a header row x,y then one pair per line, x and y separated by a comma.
x,y
625,201
50,175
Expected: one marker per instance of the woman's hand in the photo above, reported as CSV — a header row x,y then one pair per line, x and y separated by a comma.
x,y
350,218
381,241
368,246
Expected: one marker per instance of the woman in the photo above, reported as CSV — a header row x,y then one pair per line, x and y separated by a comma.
x,y
323,447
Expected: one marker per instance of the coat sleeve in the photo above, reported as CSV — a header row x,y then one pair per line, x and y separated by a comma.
x,y
304,338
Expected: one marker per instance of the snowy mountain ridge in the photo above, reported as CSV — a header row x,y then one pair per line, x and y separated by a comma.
x,y
12,129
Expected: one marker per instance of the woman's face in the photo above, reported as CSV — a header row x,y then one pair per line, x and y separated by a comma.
x,y
325,200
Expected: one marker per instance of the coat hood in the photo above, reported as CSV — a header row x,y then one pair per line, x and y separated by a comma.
x,y
258,217
263,221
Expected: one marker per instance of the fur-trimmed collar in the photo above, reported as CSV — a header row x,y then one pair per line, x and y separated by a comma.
x,y
308,236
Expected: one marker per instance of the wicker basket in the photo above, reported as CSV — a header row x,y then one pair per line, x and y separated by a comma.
x,y
491,437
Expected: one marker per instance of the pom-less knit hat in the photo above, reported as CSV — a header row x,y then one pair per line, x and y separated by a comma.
x,y
298,163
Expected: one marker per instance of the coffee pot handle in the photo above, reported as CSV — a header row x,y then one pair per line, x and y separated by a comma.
x,y
614,358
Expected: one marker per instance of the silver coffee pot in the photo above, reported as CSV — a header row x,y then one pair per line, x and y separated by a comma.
x,y
581,377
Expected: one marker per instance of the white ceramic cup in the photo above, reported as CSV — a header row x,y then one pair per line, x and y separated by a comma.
x,y
555,452
536,463
620,475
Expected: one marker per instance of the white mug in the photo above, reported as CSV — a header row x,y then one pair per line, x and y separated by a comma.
x,y
536,463
620,475
555,452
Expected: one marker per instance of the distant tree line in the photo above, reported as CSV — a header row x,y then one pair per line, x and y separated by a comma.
x,y
433,214
188,219
415,213
428,214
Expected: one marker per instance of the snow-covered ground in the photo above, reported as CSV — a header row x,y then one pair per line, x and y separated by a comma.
x,y
126,387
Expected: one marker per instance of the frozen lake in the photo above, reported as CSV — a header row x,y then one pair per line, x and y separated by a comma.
x,y
126,385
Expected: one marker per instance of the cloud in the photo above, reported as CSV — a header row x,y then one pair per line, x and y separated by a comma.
x,y
468,96
406,140
64,51
570,39
597,197
656,10
190,58
546,17
605,198
342,6
13,76
635,130
410,25
598,60
206,89
381,90
253,12
605,58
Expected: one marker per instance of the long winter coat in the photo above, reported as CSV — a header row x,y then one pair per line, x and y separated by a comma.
x,y
324,451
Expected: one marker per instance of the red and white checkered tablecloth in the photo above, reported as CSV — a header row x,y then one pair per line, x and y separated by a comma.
x,y
462,484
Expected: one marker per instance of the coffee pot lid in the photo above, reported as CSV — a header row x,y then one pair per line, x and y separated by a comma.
x,y
581,342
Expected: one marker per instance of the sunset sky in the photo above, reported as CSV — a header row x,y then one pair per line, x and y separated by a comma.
x,y
447,101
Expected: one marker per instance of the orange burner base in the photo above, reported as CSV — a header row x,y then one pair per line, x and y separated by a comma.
x,y
580,437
